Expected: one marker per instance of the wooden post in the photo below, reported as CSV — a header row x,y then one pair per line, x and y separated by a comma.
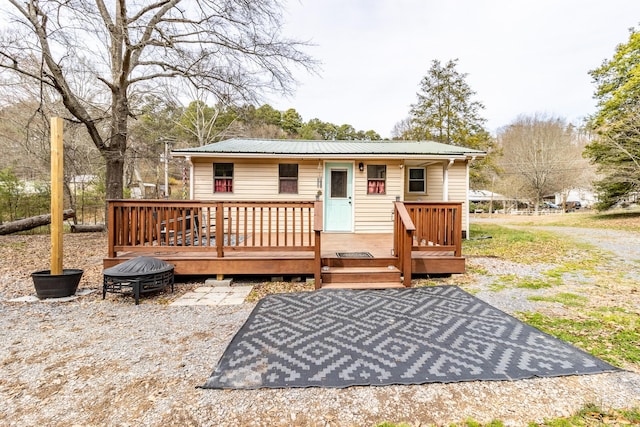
x,y
57,198
318,225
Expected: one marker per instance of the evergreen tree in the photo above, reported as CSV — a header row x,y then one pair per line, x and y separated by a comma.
x,y
291,122
445,111
268,115
616,144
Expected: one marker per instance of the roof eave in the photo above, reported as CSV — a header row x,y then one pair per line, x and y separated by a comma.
x,y
433,156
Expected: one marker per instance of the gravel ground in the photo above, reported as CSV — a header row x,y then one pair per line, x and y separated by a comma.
x,y
92,362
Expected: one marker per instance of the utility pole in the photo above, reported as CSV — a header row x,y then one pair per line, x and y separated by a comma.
x,y
164,158
166,169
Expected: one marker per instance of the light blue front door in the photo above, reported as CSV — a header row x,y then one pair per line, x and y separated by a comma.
x,y
338,200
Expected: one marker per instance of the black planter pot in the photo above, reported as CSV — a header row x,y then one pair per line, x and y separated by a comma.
x,y
56,285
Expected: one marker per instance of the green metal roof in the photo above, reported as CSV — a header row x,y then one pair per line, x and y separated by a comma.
x,y
321,149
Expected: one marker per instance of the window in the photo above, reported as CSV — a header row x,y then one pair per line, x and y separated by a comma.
x,y
376,178
417,180
223,177
339,183
288,175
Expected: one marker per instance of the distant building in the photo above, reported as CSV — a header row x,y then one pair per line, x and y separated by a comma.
x,y
586,197
149,191
83,182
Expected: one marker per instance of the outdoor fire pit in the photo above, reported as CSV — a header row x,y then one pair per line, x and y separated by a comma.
x,y
138,276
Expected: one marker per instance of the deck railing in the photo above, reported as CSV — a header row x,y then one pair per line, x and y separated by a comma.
x,y
161,226
203,226
402,240
438,226
427,227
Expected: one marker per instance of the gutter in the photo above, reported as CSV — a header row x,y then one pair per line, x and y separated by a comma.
x,y
348,156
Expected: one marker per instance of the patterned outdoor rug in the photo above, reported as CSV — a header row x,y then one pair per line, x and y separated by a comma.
x,y
341,338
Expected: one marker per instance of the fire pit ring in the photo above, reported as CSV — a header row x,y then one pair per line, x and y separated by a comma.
x,y
138,276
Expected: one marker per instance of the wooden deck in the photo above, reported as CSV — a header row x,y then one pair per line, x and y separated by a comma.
x,y
285,239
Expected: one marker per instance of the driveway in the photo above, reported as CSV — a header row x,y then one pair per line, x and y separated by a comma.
x,y
624,244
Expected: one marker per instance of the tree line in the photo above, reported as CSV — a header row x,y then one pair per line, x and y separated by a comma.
x,y
200,124
115,71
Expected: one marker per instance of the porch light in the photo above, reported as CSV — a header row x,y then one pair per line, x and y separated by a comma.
x,y
361,167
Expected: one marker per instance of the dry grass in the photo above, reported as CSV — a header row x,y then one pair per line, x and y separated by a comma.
x,y
622,219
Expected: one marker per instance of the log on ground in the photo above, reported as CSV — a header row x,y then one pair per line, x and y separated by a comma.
x,y
31,222
86,228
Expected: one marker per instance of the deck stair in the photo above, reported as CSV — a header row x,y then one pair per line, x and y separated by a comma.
x,y
360,274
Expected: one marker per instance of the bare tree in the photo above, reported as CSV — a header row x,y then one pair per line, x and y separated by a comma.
x,y
402,130
541,156
199,120
98,55
25,138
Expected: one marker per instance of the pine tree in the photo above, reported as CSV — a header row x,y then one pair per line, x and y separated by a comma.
x,y
616,145
445,111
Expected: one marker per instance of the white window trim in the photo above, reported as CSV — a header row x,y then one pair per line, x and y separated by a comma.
x,y
233,178
288,178
385,180
409,180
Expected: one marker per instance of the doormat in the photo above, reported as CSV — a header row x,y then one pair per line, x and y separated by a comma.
x,y
342,338
354,255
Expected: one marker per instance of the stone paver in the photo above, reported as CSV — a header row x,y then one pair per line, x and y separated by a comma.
x,y
33,298
214,295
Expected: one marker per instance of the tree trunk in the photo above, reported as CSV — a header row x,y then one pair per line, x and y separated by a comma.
x,y
114,174
32,222
114,154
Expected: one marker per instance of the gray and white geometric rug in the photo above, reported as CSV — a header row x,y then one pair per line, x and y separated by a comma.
x,y
341,338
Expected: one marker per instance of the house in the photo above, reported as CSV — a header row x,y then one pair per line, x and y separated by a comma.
x,y
144,190
83,182
485,199
308,207
582,197
357,181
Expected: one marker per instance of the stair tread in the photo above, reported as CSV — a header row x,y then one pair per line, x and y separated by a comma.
x,y
360,285
347,270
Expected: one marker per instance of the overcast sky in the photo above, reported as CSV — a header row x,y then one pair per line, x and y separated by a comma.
x,y
521,56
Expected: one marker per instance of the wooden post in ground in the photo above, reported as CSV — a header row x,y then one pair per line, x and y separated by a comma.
x,y
57,197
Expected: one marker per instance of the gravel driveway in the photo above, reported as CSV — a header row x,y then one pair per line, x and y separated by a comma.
x,y
92,362
624,244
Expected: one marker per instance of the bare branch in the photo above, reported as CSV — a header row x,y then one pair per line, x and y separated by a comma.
x,y
232,48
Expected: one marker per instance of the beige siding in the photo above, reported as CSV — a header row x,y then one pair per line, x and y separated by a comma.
x,y
458,189
202,180
374,212
255,180
434,185
457,186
